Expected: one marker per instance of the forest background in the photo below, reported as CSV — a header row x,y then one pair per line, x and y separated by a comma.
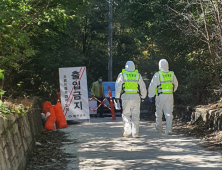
x,y
39,36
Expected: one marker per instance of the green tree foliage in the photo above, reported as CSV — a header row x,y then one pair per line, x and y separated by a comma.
x,y
34,37
3,110
171,35
38,37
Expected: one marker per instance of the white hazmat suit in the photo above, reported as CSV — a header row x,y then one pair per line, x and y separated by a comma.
x,y
164,102
130,102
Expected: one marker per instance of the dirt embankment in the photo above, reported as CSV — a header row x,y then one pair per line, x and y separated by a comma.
x,y
211,139
47,154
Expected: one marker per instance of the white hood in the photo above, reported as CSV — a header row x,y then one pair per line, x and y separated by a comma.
x,y
130,66
163,65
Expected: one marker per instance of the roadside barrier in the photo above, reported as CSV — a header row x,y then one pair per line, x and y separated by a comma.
x,y
102,103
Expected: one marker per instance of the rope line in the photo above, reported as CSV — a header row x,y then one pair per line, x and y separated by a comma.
x,y
101,103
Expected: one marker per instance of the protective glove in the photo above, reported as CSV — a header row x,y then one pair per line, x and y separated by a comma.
x,y
117,104
150,100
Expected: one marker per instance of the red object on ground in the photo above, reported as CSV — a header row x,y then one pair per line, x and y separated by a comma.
x,y
46,107
111,104
51,119
60,117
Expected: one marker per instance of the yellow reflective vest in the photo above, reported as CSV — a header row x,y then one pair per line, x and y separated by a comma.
x,y
130,80
166,83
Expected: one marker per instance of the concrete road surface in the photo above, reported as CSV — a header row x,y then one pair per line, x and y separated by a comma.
x,y
100,145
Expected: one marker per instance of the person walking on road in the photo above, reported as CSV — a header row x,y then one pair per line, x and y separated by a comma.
x,y
98,92
163,84
130,83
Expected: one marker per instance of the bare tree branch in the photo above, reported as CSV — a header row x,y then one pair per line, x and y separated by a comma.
x,y
190,22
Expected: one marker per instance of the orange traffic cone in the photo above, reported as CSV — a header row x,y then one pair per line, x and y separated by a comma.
x,y
111,104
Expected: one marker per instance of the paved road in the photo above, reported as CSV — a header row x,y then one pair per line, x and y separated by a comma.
x,y
100,145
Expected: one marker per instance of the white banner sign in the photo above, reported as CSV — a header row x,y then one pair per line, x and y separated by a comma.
x,y
74,93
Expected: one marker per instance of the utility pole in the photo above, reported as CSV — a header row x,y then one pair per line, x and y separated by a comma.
x,y
110,41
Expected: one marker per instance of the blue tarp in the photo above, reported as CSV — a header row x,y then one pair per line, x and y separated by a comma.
x,y
112,88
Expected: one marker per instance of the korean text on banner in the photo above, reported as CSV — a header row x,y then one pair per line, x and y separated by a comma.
x,y
74,93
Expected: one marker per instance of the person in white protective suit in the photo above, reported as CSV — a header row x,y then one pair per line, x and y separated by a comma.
x,y
132,89
163,84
